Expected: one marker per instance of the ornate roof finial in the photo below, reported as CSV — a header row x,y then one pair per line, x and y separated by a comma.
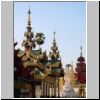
x,y
54,40
29,20
54,34
29,12
81,51
29,43
55,52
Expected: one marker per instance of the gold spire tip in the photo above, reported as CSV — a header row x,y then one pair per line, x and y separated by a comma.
x,y
29,12
81,51
54,34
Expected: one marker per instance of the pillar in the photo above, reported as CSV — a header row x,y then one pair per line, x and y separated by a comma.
x,y
33,90
42,88
46,89
52,89
49,90
55,87
58,89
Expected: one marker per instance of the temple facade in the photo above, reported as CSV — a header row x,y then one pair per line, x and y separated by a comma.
x,y
36,74
41,75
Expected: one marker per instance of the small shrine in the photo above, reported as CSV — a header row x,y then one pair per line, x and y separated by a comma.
x,y
70,82
81,74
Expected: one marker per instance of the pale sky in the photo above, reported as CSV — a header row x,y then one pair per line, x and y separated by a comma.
x,y
67,18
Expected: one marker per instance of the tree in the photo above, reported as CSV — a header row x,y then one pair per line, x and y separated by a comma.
x,y
39,38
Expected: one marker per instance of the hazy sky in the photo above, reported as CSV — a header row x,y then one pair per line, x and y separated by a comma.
x,y
67,18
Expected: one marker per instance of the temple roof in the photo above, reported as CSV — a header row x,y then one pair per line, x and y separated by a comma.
x,y
56,63
32,53
54,53
81,58
36,60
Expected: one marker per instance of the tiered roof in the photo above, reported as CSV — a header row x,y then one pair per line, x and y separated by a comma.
x,y
81,69
35,62
55,60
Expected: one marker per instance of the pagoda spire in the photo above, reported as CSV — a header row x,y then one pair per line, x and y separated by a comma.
x,y
81,51
29,43
81,69
54,47
55,52
54,35
29,21
54,40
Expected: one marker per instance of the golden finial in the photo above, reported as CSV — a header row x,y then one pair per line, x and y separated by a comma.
x,y
54,34
81,51
29,12
29,20
54,40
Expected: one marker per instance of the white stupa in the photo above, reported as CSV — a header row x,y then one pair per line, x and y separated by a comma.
x,y
68,90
